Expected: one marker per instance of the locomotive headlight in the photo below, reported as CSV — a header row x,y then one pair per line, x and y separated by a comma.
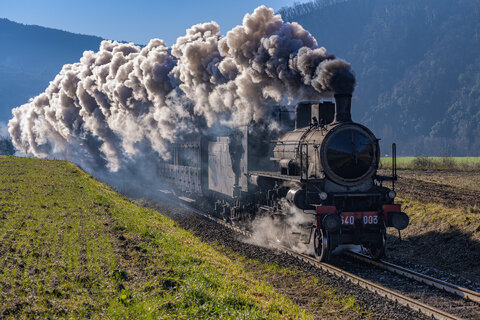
x,y
332,222
323,196
392,194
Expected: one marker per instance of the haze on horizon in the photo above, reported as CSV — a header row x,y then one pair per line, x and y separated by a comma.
x,y
137,21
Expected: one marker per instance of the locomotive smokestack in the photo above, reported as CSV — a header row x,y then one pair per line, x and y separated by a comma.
x,y
343,106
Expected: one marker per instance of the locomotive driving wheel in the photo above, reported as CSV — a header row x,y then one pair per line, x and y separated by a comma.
x,y
320,245
378,251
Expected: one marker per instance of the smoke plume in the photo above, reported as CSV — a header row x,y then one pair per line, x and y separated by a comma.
x,y
125,103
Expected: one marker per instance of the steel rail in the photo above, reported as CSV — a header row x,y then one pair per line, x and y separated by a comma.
x,y
371,286
437,283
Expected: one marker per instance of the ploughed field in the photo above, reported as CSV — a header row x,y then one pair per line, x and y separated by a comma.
x,y
452,189
444,209
71,247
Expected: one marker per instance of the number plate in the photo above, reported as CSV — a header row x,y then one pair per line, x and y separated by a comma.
x,y
348,218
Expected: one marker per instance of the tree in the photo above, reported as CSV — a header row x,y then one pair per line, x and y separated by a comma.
x,y
6,146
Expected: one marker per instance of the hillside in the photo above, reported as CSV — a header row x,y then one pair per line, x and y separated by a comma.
x,y
31,56
71,247
417,68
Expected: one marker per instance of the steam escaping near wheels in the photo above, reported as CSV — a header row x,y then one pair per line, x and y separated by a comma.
x,y
289,226
121,107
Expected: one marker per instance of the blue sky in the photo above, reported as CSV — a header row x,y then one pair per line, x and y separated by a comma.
x,y
134,20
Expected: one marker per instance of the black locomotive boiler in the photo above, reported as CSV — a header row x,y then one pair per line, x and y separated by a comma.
x,y
321,163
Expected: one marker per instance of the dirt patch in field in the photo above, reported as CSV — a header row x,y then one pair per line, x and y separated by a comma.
x,y
450,196
130,249
461,179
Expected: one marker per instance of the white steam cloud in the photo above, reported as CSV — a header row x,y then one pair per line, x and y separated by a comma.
x,y
291,227
125,103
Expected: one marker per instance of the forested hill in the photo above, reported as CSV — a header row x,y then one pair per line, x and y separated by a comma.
x,y
417,64
31,56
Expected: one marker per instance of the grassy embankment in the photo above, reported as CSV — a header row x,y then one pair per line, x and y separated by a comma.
x,y
71,247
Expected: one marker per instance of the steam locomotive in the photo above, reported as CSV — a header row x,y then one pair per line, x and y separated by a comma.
x,y
321,164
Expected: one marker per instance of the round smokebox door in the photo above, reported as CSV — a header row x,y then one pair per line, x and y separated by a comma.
x,y
350,154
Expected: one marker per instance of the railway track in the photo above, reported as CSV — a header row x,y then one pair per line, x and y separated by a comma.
x,y
442,285
413,304
371,286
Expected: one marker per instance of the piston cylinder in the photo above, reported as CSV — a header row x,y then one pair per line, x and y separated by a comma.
x,y
296,196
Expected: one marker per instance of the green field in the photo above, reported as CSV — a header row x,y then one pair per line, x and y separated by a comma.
x,y
433,163
71,247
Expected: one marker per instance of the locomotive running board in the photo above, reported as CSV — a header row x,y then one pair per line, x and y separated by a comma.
x,y
275,175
